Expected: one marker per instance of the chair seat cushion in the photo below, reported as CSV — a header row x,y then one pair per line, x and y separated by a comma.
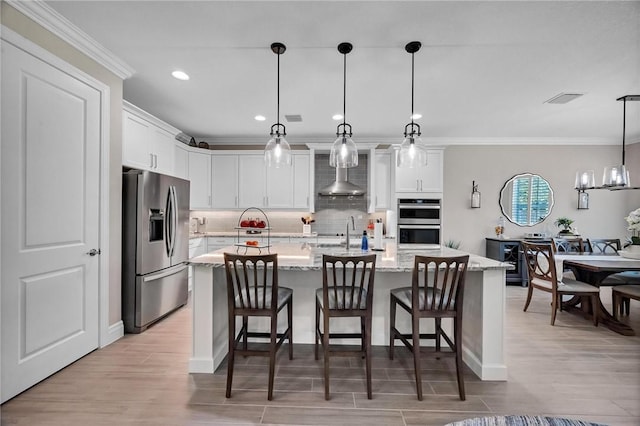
x,y
573,286
344,295
403,294
629,277
284,293
632,291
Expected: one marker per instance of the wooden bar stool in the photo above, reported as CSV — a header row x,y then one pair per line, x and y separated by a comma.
x,y
252,291
347,291
437,289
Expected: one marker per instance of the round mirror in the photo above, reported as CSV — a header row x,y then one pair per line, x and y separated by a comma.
x,y
526,199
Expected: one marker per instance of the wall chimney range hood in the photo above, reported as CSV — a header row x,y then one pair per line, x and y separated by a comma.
x,y
342,186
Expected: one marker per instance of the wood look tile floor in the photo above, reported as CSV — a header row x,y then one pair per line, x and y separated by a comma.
x,y
570,370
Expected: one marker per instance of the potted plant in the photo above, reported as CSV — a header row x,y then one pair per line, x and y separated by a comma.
x,y
565,223
634,226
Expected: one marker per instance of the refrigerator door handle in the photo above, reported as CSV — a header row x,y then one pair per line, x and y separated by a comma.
x,y
168,232
174,219
165,273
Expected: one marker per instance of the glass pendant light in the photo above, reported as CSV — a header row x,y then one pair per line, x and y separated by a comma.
x,y
412,152
277,153
344,152
618,175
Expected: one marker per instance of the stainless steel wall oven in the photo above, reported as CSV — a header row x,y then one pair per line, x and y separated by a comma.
x,y
419,221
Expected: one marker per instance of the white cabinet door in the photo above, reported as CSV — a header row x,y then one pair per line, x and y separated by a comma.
x,y
422,179
200,177
301,175
279,189
382,180
251,181
146,142
180,161
162,148
224,181
136,142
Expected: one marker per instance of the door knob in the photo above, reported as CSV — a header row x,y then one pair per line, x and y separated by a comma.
x,y
93,252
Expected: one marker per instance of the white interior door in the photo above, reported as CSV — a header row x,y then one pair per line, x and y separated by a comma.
x,y
50,219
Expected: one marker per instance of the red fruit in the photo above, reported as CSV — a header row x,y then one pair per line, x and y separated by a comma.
x,y
252,223
244,223
261,224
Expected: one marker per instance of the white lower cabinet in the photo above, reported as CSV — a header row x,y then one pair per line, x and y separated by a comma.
x,y
197,247
216,243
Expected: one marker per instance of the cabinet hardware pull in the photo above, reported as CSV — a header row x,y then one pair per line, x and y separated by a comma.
x,y
150,161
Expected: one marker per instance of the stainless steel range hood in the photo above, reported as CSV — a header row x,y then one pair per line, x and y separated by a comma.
x,y
342,186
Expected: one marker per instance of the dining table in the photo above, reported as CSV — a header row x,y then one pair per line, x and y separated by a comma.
x,y
593,269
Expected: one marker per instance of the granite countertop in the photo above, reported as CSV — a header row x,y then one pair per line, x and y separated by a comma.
x,y
264,233
308,256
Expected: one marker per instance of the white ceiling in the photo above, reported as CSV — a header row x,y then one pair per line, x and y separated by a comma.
x,y
482,75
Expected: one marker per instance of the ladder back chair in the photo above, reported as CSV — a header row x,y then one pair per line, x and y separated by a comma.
x,y
437,290
347,291
253,291
540,261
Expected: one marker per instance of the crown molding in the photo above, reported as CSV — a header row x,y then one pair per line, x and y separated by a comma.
x,y
324,142
48,18
131,108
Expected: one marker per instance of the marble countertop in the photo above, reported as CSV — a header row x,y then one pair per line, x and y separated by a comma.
x,y
308,256
273,234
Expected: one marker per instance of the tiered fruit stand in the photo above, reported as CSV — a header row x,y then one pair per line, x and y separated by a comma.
x,y
253,230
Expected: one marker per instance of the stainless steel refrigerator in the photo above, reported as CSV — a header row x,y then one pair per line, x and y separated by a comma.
x,y
155,247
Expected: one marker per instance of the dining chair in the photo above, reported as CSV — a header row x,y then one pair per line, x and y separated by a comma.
x,y
622,292
437,289
610,246
253,291
568,245
540,261
347,291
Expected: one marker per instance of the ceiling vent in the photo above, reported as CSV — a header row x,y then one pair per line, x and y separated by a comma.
x,y
293,118
563,98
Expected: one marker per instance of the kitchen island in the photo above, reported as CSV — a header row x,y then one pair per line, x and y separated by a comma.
x,y
300,268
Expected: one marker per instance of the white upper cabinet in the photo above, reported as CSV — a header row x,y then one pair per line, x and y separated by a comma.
x,y
382,180
200,178
224,181
181,160
421,179
301,181
147,142
251,181
241,180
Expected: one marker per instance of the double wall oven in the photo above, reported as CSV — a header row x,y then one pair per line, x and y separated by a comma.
x,y
419,222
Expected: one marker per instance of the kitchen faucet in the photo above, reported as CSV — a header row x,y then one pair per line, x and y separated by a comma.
x,y
353,225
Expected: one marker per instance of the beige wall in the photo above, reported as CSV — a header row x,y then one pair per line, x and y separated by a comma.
x,y
34,32
491,166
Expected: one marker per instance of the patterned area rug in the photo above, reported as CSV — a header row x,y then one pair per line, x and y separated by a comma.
x,y
522,421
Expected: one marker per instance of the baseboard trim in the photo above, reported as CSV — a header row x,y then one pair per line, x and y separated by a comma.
x,y
114,332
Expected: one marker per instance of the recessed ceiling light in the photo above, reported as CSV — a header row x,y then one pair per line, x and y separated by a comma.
x,y
337,117
416,116
180,75
260,117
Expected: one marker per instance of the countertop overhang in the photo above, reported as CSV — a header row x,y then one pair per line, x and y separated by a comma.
x,y
308,256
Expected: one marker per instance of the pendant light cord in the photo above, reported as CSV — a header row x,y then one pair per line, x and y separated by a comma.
x,y
344,90
412,68
624,120
278,96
